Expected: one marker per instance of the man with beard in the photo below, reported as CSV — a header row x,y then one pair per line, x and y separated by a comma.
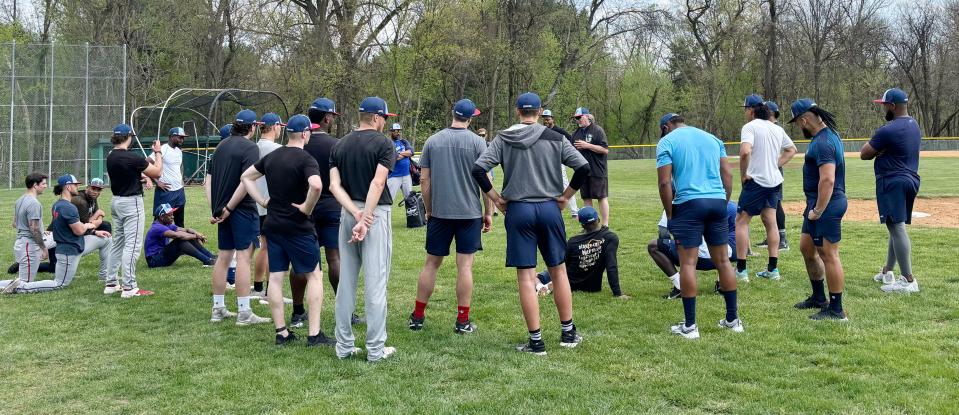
x,y
550,123
169,187
590,140
895,147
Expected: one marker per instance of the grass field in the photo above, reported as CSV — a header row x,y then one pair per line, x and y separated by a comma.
x,y
77,351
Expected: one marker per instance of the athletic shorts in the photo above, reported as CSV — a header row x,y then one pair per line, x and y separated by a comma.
x,y
668,248
300,250
595,188
532,225
176,198
327,226
754,198
698,219
239,231
896,197
829,226
441,232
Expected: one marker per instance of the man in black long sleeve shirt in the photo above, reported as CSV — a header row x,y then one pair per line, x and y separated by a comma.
x,y
588,255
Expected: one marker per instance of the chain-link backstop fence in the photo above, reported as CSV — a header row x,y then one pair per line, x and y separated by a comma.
x,y
57,102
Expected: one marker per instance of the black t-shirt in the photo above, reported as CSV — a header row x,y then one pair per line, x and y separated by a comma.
x,y
356,156
231,158
124,167
588,255
320,146
593,134
287,171
86,205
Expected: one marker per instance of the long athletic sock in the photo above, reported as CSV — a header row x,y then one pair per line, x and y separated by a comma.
x,y
257,285
419,310
773,263
567,325
689,310
675,279
219,301
462,314
298,309
740,265
818,290
835,302
243,303
536,335
732,306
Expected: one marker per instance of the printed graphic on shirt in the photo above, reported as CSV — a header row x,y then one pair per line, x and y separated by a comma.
x,y
589,253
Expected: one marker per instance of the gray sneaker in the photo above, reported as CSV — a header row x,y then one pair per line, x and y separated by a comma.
x,y
387,352
220,313
353,352
12,286
247,318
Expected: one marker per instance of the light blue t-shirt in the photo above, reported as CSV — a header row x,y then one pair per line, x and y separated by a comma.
x,y
694,155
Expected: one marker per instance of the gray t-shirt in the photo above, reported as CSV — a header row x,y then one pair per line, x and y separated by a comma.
x,y
26,209
266,147
450,154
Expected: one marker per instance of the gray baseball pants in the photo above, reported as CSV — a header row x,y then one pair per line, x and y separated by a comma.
x,y
128,223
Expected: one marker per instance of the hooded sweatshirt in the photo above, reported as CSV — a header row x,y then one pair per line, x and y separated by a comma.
x,y
529,154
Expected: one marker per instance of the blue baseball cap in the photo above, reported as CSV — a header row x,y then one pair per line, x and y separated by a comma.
x,y
800,106
163,209
753,100
772,106
300,123
226,131
67,179
324,105
246,117
271,119
893,96
465,108
581,111
122,129
587,215
667,118
375,105
529,101
96,182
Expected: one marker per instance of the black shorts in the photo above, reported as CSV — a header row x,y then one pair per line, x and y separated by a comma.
x,y
441,232
327,226
262,221
299,250
754,198
595,188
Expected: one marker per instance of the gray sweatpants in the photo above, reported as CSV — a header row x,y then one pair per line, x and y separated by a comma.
x,y
128,223
403,183
27,253
103,245
63,275
373,255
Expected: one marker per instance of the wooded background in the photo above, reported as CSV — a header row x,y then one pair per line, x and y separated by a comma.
x,y
628,61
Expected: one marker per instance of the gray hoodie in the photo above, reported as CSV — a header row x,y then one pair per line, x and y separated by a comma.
x,y
529,155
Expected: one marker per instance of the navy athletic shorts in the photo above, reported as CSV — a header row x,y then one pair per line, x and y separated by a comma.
x,y
895,197
239,231
532,225
698,219
441,232
754,198
300,250
176,198
829,226
668,247
327,226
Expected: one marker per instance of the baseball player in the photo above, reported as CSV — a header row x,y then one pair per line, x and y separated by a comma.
x,y
29,248
169,187
271,126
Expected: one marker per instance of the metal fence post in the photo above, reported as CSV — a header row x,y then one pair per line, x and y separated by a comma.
x,y
13,85
50,124
124,97
86,119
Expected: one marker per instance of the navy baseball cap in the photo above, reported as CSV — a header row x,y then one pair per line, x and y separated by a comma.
x,y
271,118
893,96
96,182
753,100
375,105
67,179
324,105
772,106
667,118
587,215
122,129
581,111
246,117
800,106
226,131
529,101
177,131
300,123
465,108
163,209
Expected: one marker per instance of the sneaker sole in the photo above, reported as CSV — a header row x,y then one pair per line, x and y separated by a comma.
x,y
569,345
532,353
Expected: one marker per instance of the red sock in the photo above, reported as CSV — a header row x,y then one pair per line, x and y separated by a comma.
x,y
419,310
462,314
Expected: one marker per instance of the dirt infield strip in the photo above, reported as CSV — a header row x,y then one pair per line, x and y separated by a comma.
x,y
936,212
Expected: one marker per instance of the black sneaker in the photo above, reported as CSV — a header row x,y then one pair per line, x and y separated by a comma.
x,y
462,328
762,244
356,320
319,340
298,320
416,324
811,303
783,245
673,294
14,268
282,341
829,314
536,347
570,339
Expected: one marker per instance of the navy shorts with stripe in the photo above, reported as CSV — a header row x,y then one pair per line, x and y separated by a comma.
x,y
239,231
829,225
441,232
532,225
300,250
698,219
754,198
327,226
896,197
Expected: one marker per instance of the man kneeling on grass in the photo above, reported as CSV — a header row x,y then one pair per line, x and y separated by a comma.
x,y
587,256
166,242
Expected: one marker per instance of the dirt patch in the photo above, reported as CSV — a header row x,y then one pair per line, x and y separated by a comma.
x,y
936,212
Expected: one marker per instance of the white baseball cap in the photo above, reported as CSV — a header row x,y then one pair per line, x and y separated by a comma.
x,y
396,126
547,113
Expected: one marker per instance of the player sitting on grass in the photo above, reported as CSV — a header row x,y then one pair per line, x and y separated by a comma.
x,y
165,242
587,256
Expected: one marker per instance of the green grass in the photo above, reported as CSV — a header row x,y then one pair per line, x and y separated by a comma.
x,y
77,351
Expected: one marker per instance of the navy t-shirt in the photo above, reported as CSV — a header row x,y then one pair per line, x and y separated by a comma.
x,y
402,166
64,215
825,148
898,144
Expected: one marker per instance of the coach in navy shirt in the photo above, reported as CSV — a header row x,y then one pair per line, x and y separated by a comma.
x,y
895,148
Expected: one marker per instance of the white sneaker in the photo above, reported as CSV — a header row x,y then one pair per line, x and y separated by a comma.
x,y
258,295
220,313
885,277
690,333
112,289
12,286
353,352
246,318
736,325
265,301
902,286
136,292
387,352
230,287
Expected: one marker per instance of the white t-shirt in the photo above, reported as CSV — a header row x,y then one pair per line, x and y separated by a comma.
x,y
266,147
768,141
703,248
172,162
